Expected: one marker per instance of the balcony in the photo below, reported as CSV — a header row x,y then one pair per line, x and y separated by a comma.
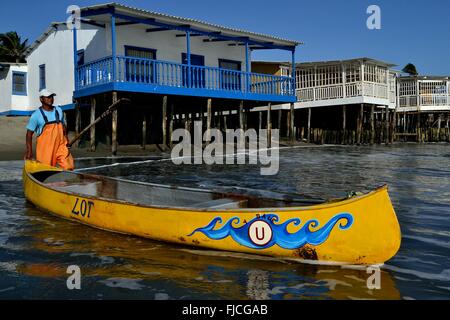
x,y
162,77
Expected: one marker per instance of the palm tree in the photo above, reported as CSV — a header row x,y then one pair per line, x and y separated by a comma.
x,y
410,69
12,49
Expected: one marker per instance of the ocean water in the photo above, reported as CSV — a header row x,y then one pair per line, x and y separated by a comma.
x,y
37,248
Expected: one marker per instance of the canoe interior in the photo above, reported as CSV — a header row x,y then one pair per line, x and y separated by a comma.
x,y
147,194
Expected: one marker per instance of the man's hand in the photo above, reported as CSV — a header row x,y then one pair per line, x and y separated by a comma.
x,y
29,155
29,144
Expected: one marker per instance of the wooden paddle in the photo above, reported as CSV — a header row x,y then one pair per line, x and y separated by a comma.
x,y
108,111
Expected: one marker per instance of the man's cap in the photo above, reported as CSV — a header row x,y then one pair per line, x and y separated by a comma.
x,y
46,93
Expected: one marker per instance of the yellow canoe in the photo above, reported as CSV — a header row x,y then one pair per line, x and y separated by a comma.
x,y
358,230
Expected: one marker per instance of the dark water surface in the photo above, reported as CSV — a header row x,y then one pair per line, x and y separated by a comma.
x,y
36,248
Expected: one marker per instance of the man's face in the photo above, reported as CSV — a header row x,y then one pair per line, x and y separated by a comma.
x,y
47,100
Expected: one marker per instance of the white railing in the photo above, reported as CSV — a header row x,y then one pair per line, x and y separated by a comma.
x,y
424,100
434,100
408,101
306,94
375,90
354,89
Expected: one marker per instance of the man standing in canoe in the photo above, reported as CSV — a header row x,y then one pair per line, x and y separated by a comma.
x,y
51,142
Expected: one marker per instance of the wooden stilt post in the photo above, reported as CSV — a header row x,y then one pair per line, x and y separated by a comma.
x,y
292,134
269,125
308,132
241,123
164,120
359,125
344,124
92,130
372,124
439,128
171,124
405,127
386,125
114,126
208,118
394,126
418,129
279,121
260,120
448,127
77,120
225,126
144,130
241,115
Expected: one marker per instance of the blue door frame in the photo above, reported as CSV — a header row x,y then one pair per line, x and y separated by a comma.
x,y
146,71
197,77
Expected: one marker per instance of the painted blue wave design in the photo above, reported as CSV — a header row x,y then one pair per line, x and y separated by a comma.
x,y
280,235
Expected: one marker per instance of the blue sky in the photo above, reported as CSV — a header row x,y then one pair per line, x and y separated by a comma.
x,y
411,30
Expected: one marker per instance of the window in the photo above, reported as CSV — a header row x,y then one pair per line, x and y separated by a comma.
x,y
197,71
80,57
140,69
41,77
230,78
19,86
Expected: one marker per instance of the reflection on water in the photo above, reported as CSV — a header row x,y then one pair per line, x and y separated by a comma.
x,y
36,248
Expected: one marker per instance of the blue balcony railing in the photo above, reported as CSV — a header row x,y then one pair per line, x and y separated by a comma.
x,y
176,75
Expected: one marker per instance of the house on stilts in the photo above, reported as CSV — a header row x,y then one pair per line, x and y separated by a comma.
x,y
423,108
174,70
343,101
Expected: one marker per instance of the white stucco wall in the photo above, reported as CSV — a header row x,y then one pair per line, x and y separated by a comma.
x,y
169,47
8,101
56,52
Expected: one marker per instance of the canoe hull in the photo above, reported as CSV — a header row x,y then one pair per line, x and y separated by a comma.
x,y
360,230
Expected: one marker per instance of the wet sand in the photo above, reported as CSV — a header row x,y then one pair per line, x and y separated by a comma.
x,y
12,143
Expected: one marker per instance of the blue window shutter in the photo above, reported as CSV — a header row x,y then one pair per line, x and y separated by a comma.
x,y
19,85
42,84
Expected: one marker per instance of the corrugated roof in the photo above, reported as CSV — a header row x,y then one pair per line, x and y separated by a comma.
x,y
163,16
424,78
207,25
364,59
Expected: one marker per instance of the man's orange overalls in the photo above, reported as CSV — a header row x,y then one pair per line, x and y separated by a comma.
x,y
51,144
